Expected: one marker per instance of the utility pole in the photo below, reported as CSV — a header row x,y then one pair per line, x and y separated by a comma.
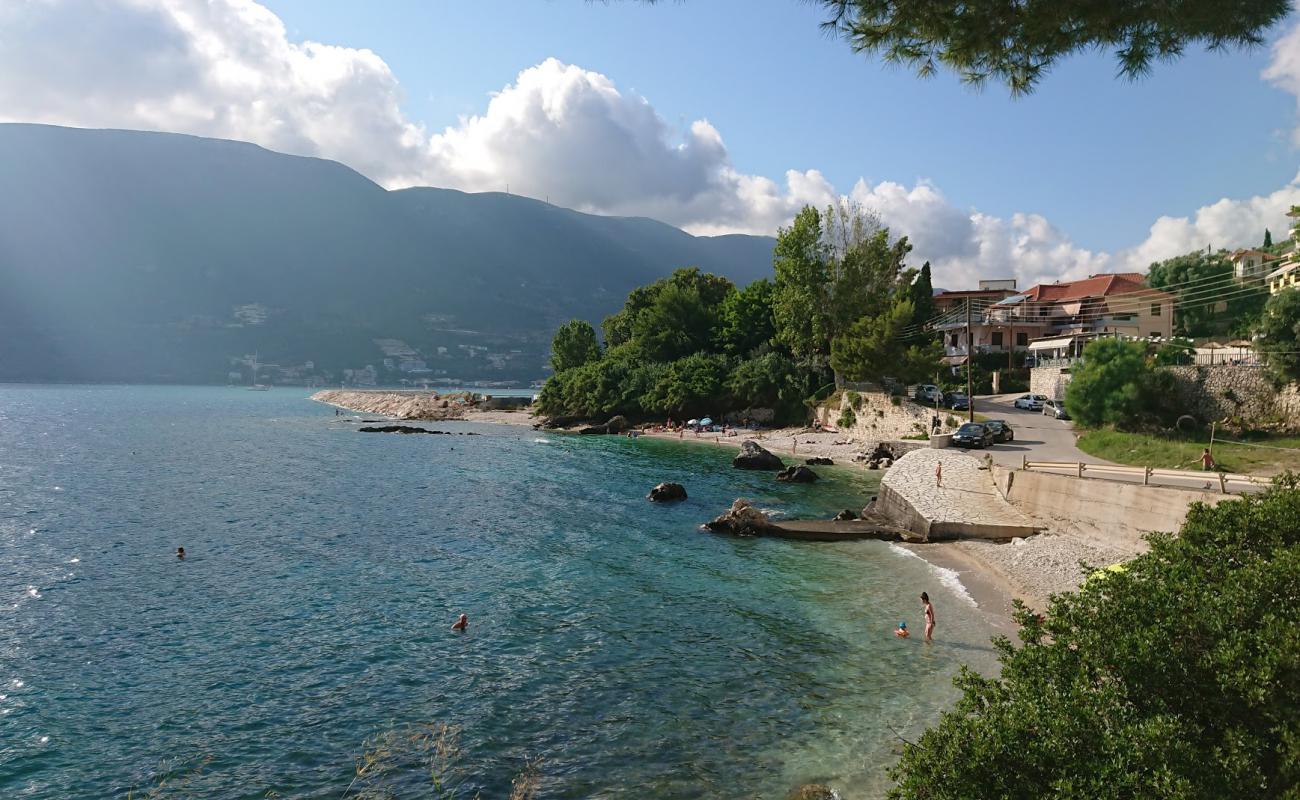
x,y
970,352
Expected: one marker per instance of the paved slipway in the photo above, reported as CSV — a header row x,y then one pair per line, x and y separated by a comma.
x,y
965,504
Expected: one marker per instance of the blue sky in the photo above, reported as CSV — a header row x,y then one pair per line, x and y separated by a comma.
x,y
1100,155
716,116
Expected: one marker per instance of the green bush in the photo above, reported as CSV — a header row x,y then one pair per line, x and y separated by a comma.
x,y
1178,677
847,418
1116,385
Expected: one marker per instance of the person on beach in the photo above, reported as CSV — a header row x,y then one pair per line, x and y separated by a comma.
x,y
901,632
462,623
929,615
795,447
938,474
1207,460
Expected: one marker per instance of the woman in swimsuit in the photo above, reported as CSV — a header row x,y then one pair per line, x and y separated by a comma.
x,y
929,615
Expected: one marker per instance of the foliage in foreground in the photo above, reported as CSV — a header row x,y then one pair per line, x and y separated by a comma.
x,y
1015,43
1176,678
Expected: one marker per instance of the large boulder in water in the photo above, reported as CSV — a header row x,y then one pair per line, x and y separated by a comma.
x,y
742,519
617,424
666,492
798,474
818,461
594,429
845,516
753,456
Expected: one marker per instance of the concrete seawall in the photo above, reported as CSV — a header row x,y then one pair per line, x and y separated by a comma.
x,y
966,506
1111,512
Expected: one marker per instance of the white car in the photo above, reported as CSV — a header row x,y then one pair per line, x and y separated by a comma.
x,y
1030,402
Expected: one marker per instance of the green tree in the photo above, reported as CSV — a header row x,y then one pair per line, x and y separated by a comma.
x,y
574,345
745,321
1116,385
922,295
1178,677
879,347
1279,335
676,324
772,380
1015,43
1268,238
1198,280
691,386
864,265
625,325
800,301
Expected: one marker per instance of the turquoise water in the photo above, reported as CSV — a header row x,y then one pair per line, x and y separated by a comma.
x,y
637,656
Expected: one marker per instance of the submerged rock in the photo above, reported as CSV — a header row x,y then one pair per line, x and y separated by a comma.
x,y
397,429
742,519
798,474
753,456
813,791
845,515
818,461
666,492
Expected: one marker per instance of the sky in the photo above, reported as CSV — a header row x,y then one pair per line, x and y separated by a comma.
x,y
714,115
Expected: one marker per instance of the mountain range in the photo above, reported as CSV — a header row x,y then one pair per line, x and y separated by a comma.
x,y
158,257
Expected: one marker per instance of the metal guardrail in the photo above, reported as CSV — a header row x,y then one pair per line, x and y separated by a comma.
x,y
1147,474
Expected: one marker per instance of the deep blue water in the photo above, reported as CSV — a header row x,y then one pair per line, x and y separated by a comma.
x,y
637,656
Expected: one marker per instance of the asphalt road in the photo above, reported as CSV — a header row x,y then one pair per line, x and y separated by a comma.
x,y
1041,438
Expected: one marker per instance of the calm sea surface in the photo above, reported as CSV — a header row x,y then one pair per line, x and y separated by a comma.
x,y
635,655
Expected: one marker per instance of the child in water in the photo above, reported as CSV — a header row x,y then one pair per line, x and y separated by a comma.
x,y
901,631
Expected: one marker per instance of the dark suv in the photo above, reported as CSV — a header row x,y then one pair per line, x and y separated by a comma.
x,y
973,434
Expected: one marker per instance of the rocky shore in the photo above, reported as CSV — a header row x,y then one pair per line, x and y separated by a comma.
x,y
398,405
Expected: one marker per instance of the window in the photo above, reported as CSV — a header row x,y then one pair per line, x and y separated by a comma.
x,y
953,340
1155,309
1022,340
997,338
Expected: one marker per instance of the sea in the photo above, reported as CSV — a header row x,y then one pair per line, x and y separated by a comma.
x,y
614,649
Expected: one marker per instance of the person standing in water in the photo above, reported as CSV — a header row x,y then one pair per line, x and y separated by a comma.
x,y
929,615
180,553
462,623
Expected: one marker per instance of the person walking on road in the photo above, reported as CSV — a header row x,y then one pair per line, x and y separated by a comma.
x,y
938,474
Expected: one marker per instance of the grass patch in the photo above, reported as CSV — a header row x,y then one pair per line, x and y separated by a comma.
x,y
1183,451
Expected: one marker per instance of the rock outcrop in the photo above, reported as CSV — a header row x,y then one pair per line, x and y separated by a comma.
x,y
399,405
845,515
397,429
797,474
753,456
818,461
742,519
666,492
813,791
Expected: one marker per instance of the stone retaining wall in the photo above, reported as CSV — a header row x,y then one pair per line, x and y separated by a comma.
x,y
1244,395
1050,381
878,419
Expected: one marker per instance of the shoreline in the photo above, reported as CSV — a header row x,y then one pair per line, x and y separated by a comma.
x,y
991,574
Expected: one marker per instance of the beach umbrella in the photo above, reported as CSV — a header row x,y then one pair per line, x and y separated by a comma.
x,y
692,422
706,421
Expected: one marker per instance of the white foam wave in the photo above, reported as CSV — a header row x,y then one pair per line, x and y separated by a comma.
x,y
949,578
33,592
773,512
74,560
540,440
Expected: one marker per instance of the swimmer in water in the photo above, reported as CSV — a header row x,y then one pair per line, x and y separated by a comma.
x,y
462,623
180,553
902,632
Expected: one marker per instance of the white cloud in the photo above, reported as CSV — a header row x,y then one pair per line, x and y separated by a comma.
x,y
227,68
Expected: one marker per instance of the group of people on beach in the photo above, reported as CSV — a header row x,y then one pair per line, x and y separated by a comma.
x,y
927,609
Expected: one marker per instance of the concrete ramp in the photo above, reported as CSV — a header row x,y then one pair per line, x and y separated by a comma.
x,y
966,506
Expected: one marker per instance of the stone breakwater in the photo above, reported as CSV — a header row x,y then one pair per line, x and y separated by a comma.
x,y
397,405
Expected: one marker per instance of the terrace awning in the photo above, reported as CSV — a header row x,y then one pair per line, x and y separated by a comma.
x,y
1059,343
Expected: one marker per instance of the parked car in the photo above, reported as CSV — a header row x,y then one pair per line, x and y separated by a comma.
x,y
957,401
1055,409
973,434
1001,430
1030,402
929,394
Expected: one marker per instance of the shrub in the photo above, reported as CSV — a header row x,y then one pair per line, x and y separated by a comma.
x,y
1117,385
847,418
